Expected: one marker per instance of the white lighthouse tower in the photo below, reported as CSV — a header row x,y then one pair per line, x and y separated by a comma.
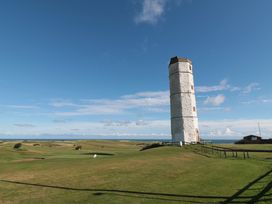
x,y
184,121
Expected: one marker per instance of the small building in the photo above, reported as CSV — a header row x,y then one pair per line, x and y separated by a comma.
x,y
252,138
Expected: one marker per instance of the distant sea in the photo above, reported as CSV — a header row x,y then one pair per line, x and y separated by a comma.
x,y
222,141
138,140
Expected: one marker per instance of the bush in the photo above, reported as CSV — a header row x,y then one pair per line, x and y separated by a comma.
x,y
36,144
78,147
17,146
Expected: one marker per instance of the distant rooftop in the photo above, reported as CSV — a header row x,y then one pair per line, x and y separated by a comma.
x,y
179,59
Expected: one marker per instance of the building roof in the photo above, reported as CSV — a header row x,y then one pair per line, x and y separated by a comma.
x,y
179,59
252,136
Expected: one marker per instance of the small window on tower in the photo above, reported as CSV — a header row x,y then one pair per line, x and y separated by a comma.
x,y
192,87
190,67
196,130
194,108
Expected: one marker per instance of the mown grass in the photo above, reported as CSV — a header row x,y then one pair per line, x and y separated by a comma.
x,y
56,173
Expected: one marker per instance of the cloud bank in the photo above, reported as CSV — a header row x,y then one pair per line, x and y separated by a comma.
x,y
148,129
148,101
141,115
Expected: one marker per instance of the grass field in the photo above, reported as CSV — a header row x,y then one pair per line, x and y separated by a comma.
x,y
54,172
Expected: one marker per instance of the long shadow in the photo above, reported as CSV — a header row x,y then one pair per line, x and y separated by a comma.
x,y
260,195
255,198
204,155
98,153
235,198
199,152
151,197
160,196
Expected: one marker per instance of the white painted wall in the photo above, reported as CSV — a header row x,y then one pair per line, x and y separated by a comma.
x,y
184,121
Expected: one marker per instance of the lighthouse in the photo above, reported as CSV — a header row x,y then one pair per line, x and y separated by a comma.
x,y
184,121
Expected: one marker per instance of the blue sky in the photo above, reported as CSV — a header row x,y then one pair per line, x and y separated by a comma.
x,y
99,69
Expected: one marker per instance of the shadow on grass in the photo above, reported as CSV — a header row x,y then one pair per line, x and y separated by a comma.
x,y
263,194
127,193
197,151
98,153
204,155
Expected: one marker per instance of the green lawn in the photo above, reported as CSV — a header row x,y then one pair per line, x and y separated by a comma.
x,y
56,173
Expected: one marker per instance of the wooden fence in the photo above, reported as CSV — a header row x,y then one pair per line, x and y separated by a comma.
x,y
223,151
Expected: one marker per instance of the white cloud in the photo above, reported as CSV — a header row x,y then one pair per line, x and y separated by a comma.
x,y
149,101
266,100
208,109
235,88
151,11
24,125
59,121
116,123
215,100
158,110
141,122
21,106
229,132
223,85
125,123
58,103
251,87
147,94
258,101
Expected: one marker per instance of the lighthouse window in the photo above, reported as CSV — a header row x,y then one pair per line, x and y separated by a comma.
x,y
192,87
194,108
190,67
196,130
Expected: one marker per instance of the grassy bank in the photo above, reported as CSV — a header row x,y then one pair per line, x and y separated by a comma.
x,y
53,172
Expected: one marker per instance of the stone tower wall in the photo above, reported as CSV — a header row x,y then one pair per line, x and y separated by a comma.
x,y
184,122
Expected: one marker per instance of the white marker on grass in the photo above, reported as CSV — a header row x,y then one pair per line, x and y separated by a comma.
x,y
94,156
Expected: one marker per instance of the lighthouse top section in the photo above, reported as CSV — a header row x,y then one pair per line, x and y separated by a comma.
x,y
179,59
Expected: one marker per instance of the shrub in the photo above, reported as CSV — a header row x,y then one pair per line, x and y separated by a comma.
x,y
36,144
78,147
17,146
